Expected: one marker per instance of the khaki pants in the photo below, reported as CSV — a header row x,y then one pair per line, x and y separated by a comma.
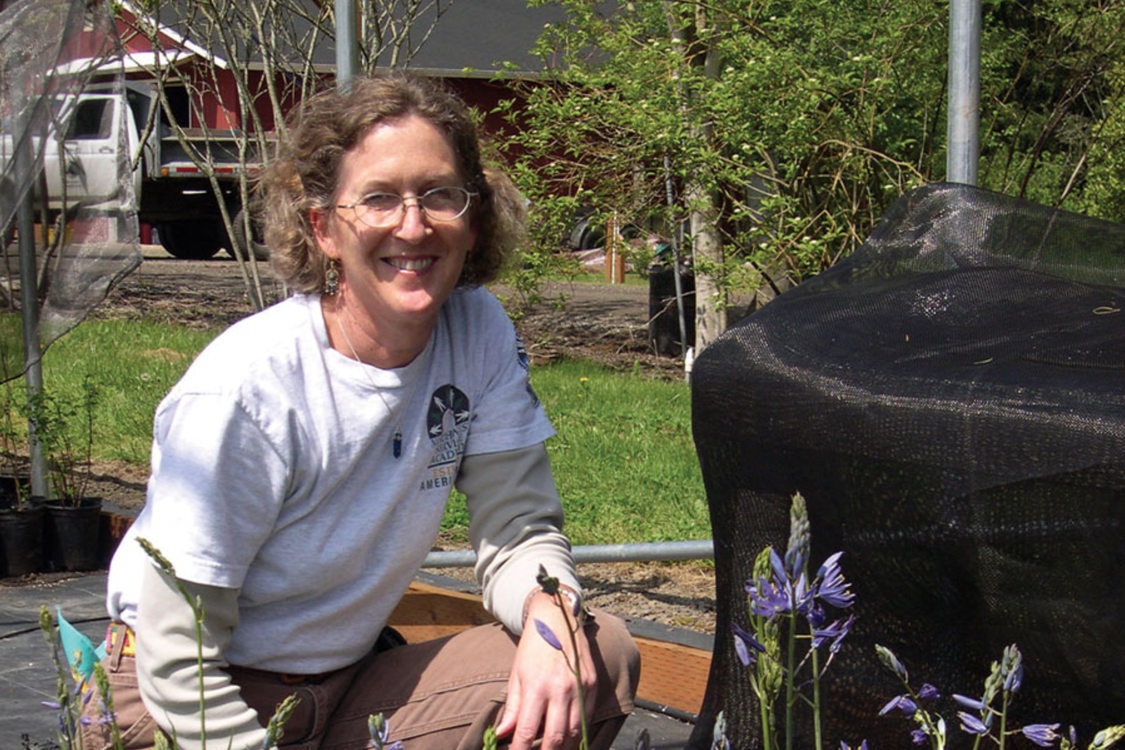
x,y
438,695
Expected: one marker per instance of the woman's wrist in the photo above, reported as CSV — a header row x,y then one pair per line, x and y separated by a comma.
x,y
572,598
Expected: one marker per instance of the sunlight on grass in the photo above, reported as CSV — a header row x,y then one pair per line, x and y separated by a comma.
x,y
133,364
623,457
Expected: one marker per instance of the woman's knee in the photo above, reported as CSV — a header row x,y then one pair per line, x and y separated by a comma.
x,y
615,655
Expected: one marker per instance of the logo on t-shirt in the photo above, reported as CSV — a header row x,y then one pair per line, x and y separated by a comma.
x,y
447,426
521,354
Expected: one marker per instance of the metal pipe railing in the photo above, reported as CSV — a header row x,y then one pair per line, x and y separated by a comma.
x,y
699,549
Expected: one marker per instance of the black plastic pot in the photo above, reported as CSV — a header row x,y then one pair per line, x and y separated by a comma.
x,y
73,535
13,487
21,539
663,312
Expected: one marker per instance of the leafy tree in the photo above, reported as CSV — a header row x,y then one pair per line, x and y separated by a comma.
x,y
786,127
1052,103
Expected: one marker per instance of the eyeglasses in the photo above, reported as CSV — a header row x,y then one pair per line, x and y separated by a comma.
x,y
382,210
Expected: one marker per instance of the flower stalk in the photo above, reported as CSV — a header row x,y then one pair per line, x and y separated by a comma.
x,y
573,618
785,606
980,717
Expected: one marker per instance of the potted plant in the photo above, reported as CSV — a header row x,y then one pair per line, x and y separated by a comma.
x,y
21,516
65,429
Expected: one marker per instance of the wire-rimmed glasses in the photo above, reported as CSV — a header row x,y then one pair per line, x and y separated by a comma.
x,y
382,210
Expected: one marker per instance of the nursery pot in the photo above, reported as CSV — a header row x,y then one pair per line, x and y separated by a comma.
x,y
21,539
13,486
73,535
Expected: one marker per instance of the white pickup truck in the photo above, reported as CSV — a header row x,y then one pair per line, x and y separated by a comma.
x,y
171,192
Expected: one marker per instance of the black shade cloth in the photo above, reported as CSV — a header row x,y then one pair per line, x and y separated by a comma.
x,y
950,400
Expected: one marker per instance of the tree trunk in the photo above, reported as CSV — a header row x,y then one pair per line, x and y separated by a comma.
x,y
710,294
703,210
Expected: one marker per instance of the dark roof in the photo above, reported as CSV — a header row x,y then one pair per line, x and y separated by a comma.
x,y
483,34
470,37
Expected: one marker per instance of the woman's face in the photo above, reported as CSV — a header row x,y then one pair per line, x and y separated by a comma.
x,y
403,273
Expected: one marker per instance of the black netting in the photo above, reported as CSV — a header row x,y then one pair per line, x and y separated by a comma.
x,y
950,400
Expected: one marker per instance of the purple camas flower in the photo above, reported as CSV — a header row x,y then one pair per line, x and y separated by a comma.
x,y
779,571
1014,679
968,702
831,588
835,632
767,598
795,561
902,703
890,661
802,599
816,615
547,634
972,724
1011,667
743,653
928,692
1043,735
745,645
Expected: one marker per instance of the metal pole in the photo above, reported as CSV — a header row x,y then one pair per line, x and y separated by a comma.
x,y
963,155
29,306
700,549
347,44
676,262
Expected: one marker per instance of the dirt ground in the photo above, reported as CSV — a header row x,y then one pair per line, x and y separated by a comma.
x,y
602,322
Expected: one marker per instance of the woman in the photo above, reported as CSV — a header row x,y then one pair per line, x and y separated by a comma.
x,y
301,467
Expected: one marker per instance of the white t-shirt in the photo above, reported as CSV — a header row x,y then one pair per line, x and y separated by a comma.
x,y
273,472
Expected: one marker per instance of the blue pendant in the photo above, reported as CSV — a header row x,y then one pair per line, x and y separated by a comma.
x,y
396,446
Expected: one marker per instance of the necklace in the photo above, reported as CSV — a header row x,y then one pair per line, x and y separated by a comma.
x,y
396,444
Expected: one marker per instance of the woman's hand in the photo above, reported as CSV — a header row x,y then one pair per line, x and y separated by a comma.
x,y
542,690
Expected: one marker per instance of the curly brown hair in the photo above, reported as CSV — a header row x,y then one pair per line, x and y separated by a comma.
x,y
303,176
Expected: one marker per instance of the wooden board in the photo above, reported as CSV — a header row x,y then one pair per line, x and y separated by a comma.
x,y
671,674
428,612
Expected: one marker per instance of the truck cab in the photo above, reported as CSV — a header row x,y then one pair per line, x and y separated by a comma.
x,y
118,152
93,162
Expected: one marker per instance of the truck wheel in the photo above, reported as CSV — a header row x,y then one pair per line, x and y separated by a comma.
x,y
257,243
585,235
191,240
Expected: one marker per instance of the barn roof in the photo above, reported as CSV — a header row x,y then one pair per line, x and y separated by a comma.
x,y
473,38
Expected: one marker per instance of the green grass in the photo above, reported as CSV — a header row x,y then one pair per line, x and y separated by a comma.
x,y
132,364
623,457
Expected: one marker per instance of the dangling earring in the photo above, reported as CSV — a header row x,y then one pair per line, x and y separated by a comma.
x,y
332,278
